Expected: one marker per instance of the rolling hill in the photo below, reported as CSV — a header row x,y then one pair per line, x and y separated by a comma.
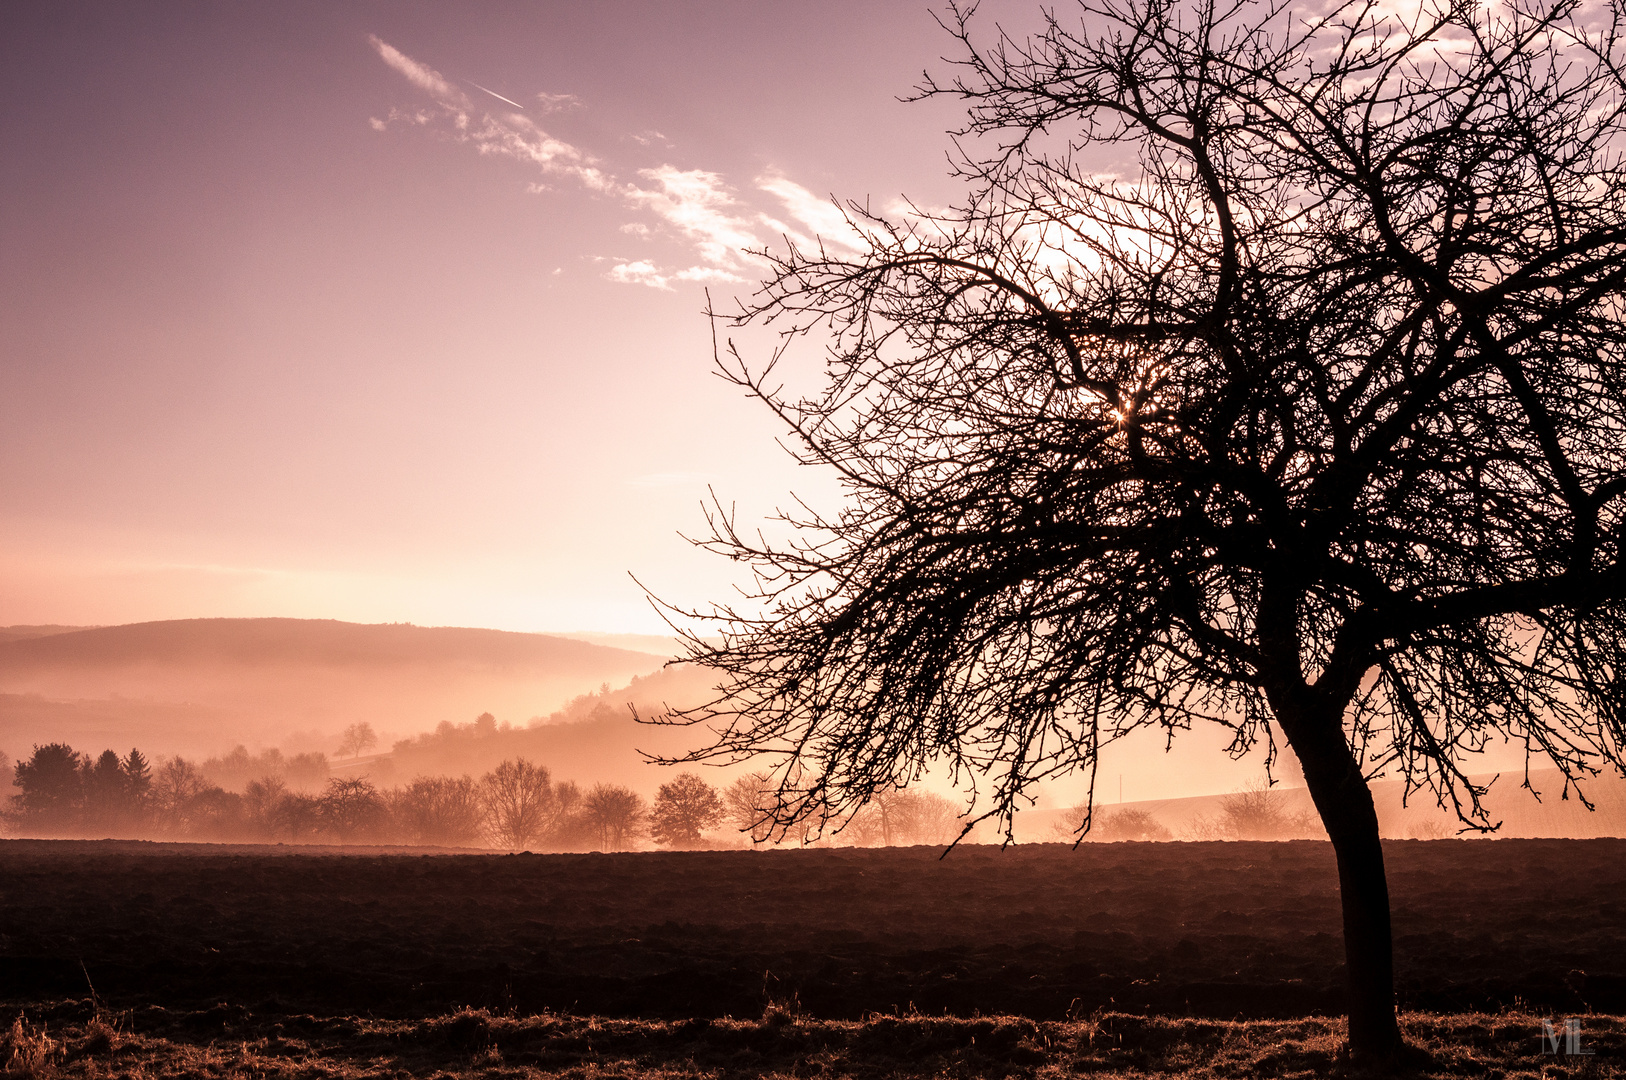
x,y
200,686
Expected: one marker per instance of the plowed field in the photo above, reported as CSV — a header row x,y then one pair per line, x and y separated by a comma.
x,y
1221,930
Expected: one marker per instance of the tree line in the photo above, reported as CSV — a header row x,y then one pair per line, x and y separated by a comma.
x,y
518,805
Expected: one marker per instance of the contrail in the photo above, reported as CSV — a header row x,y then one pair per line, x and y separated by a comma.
x,y
494,94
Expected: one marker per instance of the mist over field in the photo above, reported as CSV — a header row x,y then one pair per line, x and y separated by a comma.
x,y
246,703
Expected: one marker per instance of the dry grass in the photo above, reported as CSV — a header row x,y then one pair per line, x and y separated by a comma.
x,y
75,1040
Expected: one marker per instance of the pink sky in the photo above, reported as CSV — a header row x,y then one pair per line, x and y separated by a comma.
x,y
302,318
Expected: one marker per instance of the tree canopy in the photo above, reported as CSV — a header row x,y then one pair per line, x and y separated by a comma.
x,y
1268,375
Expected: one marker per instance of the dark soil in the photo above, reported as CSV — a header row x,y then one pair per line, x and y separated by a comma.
x,y
1219,930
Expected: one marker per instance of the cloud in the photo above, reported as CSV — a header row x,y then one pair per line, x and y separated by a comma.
x,y
423,77
707,273
818,216
558,103
695,206
702,207
642,272
505,134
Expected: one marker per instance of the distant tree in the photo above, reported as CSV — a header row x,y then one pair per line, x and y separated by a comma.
x,y
617,814
350,809
1269,374
357,740
297,816
748,805
441,811
896,818
306,771
51,790
569,829
175,785
139,775
932,819
261,800
684,809
217,814
109,803
518,800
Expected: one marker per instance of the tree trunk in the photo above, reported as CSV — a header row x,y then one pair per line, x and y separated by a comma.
x,y
1345,804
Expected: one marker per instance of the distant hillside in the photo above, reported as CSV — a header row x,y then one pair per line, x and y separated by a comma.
x,y
18,633
1517,810
593,739
261,680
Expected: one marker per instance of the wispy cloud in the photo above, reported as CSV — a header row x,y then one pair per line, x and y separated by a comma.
x,y
695,206
642,272
424,78
700,206
816,216
508,134
558,103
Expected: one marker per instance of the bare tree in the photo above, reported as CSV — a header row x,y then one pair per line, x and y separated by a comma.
x,y
617,813
1269,375
262,800
439,810
351,809
174,786
748,805
518,799
357,740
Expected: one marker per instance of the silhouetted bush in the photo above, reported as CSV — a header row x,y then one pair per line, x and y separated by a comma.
x,y
440,811
351,810
1129,824
1257,812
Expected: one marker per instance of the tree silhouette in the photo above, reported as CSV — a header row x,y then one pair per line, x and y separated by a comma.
x,y
350,808
51,784
683,810
616,813
357,740
748,805
518,798
1269,375
440,810
139,774
108,801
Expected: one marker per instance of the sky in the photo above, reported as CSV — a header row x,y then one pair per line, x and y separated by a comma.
x,y
393,312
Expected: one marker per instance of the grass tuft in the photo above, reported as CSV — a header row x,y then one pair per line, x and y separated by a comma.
x,y
155,1044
